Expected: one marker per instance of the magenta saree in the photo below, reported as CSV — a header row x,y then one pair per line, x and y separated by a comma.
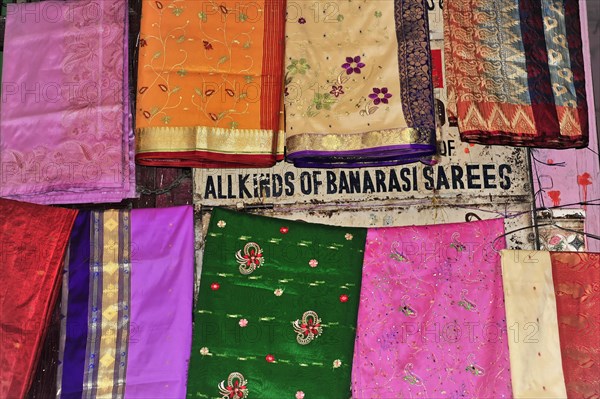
x,y
126,308
65,123
431,316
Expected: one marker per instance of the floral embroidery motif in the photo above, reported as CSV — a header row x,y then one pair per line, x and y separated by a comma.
x,y
215,286
456,243
284,230
353,65
221,224
337,90
411,377
278,292
251,259
236,387
313,263
204,351
299,395
473,368
380,95
337,363
406,308
243,322
465,303
308,328
348,236
343,298
270,358
298,66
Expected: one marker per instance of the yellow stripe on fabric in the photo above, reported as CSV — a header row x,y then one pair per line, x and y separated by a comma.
x,y
110,309
202,138
533,340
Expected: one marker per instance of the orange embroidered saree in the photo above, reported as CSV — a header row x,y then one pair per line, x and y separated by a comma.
x,y
209,83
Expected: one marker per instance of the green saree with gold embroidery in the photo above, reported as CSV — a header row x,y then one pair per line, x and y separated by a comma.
x,y
277,308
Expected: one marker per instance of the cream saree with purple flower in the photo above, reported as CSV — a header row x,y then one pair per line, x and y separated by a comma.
x,y
358,83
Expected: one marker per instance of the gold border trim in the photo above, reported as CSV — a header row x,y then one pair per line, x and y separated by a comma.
x,y
210,139
359,141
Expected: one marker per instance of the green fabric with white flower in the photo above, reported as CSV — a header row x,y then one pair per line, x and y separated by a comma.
x,y
277,309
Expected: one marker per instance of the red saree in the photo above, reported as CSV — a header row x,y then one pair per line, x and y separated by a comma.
x,y
33,240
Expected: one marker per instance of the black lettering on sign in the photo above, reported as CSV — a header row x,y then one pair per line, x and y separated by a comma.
x,y
331,185
428,176
503,171
289,183
305,185
399,179
368,184
242,179
380,181
472,177
277,185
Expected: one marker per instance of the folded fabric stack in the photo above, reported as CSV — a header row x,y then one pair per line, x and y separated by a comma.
x,y
65,123
359,90
209,83
515,72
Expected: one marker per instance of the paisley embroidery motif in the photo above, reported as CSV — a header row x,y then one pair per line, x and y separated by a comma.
x,y
236,387
457,244
465,303
411,377
251,259
308,328
406,309
473,368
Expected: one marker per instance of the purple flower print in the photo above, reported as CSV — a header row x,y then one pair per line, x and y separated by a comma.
x,y
337,90
380,95
301,20
353,65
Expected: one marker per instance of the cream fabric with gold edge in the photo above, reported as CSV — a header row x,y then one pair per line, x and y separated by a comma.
x,y
533,341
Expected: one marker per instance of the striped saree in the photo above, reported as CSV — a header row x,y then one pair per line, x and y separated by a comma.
x,y
127,295
515,72
33,240
358,80
209,83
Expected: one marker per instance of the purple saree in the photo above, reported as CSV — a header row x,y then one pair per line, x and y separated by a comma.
x,y
127,300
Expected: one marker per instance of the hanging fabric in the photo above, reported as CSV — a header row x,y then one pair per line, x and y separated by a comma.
x,y
33,240
209,83
515,72
66,134
127,295
535,358
431,320
359,89
276,312
576,278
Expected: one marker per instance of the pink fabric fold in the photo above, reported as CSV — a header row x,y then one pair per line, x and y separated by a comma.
x,y
431,321
66,134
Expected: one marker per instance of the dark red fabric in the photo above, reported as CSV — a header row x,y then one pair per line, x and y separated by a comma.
x,y
33,240
576,279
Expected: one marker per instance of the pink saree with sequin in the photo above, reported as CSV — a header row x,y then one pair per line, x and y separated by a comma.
x,y
431,318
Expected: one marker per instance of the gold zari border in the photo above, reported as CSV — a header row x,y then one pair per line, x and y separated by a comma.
x,y
210,139
358,141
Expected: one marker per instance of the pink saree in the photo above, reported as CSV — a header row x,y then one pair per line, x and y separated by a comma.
x,y
65,123
431,318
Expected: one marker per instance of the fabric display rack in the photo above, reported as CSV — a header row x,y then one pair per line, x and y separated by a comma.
x,y
367,199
